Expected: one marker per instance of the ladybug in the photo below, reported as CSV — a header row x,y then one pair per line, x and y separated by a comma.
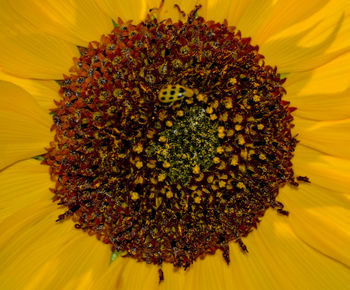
x,y
172,93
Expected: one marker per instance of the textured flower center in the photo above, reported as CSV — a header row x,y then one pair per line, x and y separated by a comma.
x,y
172,140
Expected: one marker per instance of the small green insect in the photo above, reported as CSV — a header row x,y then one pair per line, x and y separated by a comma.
x,y
116,255
172,93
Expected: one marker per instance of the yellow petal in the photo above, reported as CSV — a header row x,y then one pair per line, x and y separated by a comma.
x,y
322,23
323,107
212,273
126,9
253,16
122,272
23,184
285,13
220,10
289,260
327,228
43,254
44,92
24,126
76,21
330,137
325,171
330,78
12,22
36,56
289,56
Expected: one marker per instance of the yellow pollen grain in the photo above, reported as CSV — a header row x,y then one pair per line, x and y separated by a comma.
x,y
210,179
162,139
234,160
162,115
262,156
150,134
223,176
200,97
256,98
228,148
169,194
197,199
223,117
222,183
222,165
166,164
260,126
228,103
209,110
151,164
196,169
242,168
139,164
240,185
158,201
180,113
241,140
213,117
221,135
138,148
238,127
230,133
238,119
134,195
139,180
168,123
232,81
220,150
216,160
221,129
244,153
161,177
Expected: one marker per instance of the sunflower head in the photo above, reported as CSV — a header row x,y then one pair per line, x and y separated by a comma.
x,y
172,139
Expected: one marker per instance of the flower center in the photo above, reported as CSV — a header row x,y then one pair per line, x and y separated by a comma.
x,y
172,140
188,146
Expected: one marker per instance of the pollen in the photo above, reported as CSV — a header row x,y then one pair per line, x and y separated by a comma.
x,y
138,148
171,180
216,160
240,185
139,164
260,126
220,150
169,123
241,140
169,194
166,164
256,98
196,169
134,195
162,139
180,113
161,177
197,199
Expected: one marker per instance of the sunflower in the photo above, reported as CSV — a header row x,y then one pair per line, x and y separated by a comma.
x,y
191,81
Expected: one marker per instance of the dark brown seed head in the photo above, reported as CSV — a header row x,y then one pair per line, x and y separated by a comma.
x,y
171,182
